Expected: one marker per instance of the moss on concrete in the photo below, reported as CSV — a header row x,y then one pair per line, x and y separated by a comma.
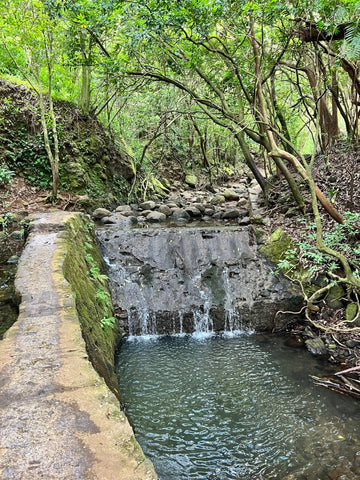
x,y
82,260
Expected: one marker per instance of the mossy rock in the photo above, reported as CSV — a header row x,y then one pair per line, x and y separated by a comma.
x,y
218,200
351,312
191,180
277,246
333,299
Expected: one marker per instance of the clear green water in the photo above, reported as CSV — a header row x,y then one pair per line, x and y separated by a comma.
x,y
235,408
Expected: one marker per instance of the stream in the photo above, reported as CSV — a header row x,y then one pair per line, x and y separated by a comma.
x,y
231,407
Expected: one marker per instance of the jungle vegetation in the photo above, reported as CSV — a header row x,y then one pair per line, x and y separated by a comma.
x,y
209,84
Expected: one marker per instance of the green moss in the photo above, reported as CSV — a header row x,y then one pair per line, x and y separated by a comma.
x,y
191,180
281,250
82,258
351,312
276,248
334,296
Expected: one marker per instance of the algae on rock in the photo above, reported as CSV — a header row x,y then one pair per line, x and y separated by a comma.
x,y
81,261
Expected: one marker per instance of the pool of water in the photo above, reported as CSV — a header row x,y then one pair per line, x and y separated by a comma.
x,y
235,408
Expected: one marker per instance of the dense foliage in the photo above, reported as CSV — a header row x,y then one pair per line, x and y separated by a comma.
x,y
206,85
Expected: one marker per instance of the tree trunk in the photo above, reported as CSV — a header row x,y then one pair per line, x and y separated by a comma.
x,y
276,151
85,75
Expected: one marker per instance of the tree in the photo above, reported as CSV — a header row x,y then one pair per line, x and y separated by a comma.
x,y
36,29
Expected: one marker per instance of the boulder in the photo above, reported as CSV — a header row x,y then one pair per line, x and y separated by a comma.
x,y
100,213
316,346
180,213
351,312
333,299
242,202
231,213
123,209
193,211
191,180
145,213
209,212
199,206
218,200
156,217
148,205
165,209
230,195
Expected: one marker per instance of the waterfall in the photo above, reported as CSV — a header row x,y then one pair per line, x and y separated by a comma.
x,y
185,280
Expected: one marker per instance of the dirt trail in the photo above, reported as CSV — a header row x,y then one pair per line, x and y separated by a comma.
x,y
58,420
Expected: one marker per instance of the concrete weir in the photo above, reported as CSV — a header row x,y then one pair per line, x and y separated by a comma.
x,y
58,418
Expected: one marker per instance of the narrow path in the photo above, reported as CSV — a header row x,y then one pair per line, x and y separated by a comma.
x,y
58,420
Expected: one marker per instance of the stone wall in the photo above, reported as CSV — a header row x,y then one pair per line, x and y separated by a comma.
x,y
59,420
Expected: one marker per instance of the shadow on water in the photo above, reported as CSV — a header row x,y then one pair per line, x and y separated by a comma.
x,y
240,408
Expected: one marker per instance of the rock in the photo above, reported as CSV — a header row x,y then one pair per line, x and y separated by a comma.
x,y
118,219
13,259
165,209
230,195
276,247
356,463
100,213
232,213
156,217
351,312
218,200
209,212
173,205
352,343
108,220
242,202
180,213
145,213
333,299
257,220
128,213
123,209
149,205
246,221
17,235
199,206
242,190
183,264
193,211
191,180
316,346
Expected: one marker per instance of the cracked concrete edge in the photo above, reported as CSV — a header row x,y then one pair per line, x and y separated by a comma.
x,y
116,453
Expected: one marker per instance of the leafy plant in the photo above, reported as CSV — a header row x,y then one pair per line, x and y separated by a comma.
x,y
5,175
108,323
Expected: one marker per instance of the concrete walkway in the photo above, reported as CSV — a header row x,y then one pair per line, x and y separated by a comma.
x,y
58,420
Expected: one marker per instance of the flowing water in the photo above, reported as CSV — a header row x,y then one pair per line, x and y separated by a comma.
x,y
239,407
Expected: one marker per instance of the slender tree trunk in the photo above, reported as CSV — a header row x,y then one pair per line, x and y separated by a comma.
x,y
250,161
85,75
202,140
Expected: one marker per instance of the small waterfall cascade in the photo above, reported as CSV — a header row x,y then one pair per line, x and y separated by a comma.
x,y
186,280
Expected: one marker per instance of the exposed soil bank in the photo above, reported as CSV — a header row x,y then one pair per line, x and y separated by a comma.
x,y
59,420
